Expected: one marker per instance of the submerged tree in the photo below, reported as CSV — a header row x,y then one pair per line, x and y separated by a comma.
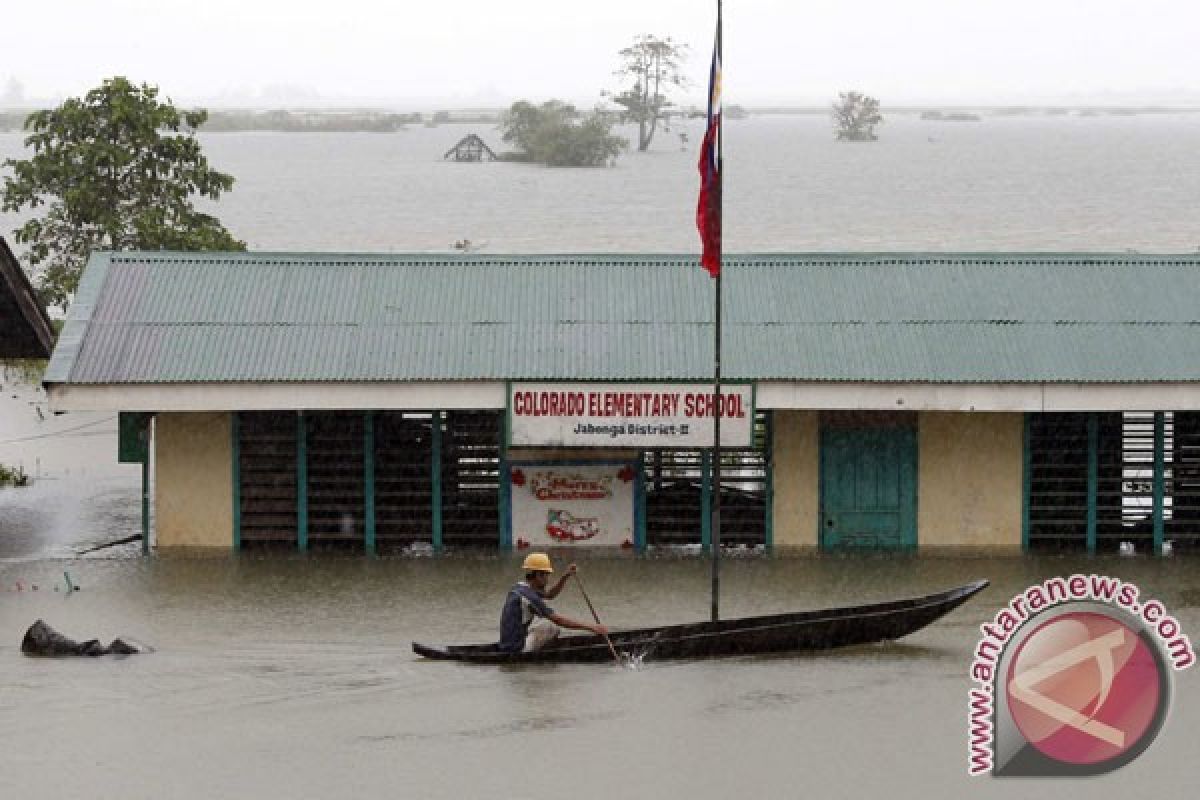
x,y
653,66
557,135
116,169
855,116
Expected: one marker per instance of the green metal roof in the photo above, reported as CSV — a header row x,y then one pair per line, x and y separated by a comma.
x,y
938,317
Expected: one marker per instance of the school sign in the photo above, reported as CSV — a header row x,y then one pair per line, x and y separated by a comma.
x,y
643,415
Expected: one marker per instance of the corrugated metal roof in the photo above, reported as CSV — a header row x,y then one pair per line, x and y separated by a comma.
x,y
205,317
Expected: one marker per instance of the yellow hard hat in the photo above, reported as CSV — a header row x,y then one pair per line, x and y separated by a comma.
x,y
537,562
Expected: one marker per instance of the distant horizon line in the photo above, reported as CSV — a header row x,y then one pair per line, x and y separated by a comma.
x,y
753,108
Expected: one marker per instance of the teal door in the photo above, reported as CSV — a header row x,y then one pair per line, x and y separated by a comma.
x,y
868,489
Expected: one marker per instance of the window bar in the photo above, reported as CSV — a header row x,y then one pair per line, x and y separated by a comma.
x,y
301,482
235,429
769,459
436,489
706,500
369,482
1028,483
1093,477
1160,442
504,487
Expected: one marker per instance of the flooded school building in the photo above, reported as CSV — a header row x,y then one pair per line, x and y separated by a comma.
x,y
874,401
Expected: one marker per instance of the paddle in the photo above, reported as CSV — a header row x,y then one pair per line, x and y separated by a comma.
x,y
596,617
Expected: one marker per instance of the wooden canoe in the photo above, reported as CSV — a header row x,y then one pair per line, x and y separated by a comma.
x,y
777,633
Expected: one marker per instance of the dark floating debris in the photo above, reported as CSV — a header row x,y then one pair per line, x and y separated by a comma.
x,y
42,640
137,537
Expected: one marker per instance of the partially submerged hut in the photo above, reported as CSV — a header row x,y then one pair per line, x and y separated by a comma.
x,y
470,148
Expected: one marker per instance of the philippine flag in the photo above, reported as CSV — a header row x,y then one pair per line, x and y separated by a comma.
x,y
708,209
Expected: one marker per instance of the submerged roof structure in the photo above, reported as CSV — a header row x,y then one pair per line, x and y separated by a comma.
x,y
470,148
25,330
941,318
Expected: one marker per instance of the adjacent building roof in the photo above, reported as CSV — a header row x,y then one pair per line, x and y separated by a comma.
x,y
160,317
25,330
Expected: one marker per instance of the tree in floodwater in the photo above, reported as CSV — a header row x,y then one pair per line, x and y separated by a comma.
x,y
13,476
116,169
556,134
653,67
855,116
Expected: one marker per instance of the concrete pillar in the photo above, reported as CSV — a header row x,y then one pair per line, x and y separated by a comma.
x,y
797,458
969,484
193,492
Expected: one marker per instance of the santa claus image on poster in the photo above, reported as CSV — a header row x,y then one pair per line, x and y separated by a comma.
x,y
590,505
563,526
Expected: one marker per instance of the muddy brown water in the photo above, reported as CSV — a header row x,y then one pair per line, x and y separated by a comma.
x,y
292,677
287,676
1038,182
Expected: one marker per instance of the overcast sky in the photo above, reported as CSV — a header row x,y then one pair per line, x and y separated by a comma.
x,y
422,53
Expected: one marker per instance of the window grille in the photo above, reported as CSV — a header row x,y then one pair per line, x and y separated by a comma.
x,y
1062,502
403,479
471,478
676,481
267,475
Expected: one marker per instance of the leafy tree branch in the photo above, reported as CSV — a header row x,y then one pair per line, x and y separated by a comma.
x,y
116,170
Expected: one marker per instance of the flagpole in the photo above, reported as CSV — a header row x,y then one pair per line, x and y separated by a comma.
x,y
716,453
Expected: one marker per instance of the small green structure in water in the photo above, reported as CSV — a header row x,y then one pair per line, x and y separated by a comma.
x,y
470,148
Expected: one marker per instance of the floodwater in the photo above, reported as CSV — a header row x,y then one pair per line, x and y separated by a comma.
x,y
284,676
292,677
1033,182
79,496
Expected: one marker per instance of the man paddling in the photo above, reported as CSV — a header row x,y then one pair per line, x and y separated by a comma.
x,y
527,600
